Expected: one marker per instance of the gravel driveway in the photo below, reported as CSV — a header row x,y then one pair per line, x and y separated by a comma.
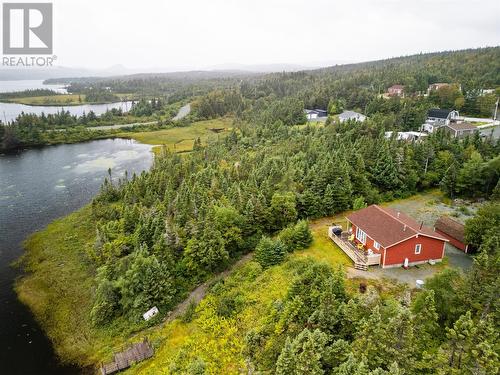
x,y
456,259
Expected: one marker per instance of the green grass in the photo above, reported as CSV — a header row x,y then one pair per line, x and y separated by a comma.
x,y
59,287
67,99
61,100
323,249
219,340
181,139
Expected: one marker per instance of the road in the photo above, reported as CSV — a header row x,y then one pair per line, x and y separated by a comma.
x,y
493,131
183,112
110,127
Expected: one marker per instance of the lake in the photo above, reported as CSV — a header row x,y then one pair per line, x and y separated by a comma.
x,y
28,84
36,187
9,111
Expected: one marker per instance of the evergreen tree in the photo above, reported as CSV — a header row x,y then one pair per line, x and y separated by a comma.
x,y
269,252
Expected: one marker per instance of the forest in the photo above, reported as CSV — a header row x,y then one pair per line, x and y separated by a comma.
x,y
161,233
254,96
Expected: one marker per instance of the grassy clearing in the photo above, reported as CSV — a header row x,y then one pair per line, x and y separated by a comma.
x,y
322,248
67,99
58,289
61,100
217,340
58,286
181,139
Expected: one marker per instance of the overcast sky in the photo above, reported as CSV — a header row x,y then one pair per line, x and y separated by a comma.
x,y
187,34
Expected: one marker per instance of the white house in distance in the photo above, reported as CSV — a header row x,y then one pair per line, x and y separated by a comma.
x,y
315,114
407,136
351,115
437,118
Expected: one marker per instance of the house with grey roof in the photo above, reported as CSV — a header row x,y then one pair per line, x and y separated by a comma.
x,y
459,129
351,115
316,114
437,118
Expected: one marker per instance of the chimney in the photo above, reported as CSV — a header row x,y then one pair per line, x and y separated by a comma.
x,y
398,214
404,229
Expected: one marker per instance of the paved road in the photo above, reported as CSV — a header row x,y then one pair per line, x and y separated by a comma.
x,y
494,131
183,112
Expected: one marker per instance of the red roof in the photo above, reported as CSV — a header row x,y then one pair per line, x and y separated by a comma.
x,y
389,227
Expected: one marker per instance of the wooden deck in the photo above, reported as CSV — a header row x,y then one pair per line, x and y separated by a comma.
x,y
360,259
123,360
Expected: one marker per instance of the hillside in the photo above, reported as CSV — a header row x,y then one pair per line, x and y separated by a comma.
x,y
151,239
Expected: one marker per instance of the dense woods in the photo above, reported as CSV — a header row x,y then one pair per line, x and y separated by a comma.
x,y
259,98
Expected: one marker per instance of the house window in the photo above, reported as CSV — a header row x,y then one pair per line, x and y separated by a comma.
x,y
418,248
361,236
376,245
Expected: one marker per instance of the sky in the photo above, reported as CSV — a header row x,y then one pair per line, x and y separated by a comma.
x,y
199,34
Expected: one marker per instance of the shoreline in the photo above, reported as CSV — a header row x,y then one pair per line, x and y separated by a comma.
x,y
61,104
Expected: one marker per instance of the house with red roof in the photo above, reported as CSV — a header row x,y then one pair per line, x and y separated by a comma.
x,y
396,90
396,237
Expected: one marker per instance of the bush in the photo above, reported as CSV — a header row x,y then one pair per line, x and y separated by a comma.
x,y
270,252
296,237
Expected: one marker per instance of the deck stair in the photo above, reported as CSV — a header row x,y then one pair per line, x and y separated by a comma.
x,y
360,259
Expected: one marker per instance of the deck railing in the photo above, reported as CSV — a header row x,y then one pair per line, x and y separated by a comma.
x,y
360,259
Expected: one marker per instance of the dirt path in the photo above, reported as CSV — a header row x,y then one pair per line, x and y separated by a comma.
x,y
200,292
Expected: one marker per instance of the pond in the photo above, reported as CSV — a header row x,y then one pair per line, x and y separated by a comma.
x,y
36,187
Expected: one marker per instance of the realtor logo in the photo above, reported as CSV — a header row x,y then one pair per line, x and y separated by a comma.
x,y
27,28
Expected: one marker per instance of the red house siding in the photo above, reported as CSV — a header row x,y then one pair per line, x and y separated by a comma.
x,y
431,248
454,241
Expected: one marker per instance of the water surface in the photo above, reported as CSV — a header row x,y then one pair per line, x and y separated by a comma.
x,y
30,84
9,111
36,187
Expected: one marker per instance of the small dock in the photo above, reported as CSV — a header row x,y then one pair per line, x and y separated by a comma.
x,y
360,259
123,360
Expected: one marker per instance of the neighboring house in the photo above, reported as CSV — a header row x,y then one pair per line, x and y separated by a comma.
x,y
407,136
453,231
436,86
459,129
396,90
437,118
487,91
314,114
399,239
351,115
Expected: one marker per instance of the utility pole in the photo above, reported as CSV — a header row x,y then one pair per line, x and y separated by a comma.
x,y
496,110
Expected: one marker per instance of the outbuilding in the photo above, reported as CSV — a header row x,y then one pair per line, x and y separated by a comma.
x,y
453,231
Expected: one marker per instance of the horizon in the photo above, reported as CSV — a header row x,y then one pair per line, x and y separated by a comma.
x,y
257,68
195,35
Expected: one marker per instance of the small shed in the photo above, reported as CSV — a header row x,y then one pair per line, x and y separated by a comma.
x,y
452,230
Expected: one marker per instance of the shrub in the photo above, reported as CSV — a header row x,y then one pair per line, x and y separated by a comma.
x,y
296,237
270,252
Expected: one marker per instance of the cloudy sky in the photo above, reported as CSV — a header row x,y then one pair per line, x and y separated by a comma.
x,y
187,34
